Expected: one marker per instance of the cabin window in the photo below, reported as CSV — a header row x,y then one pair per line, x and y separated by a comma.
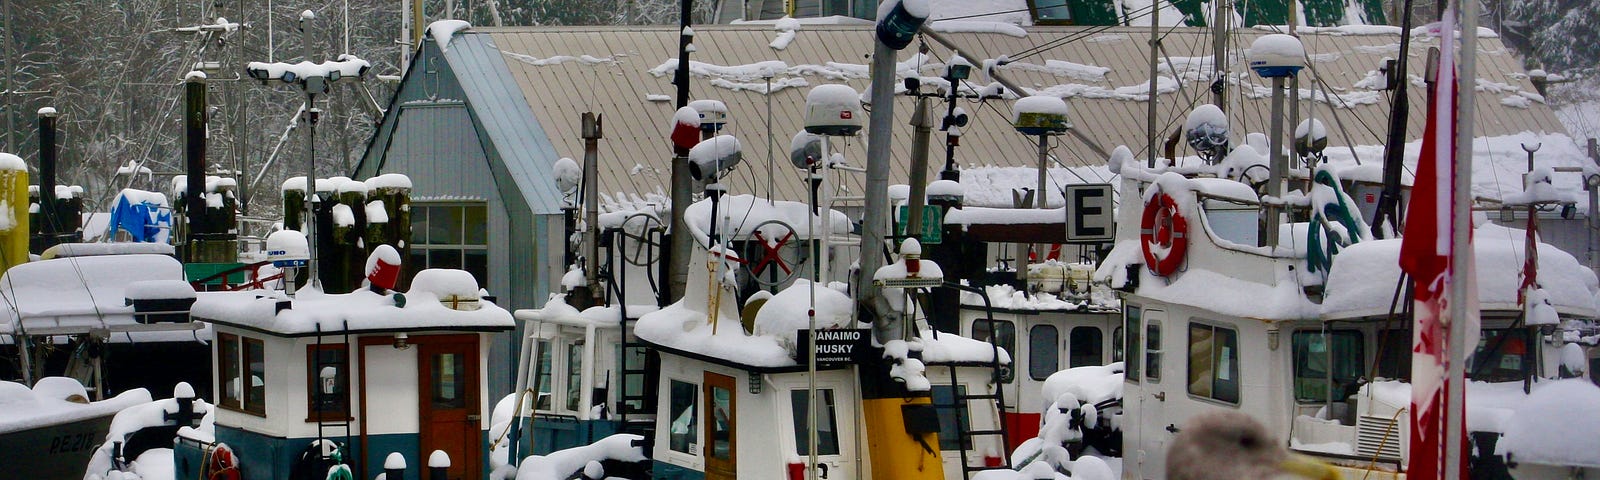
x,y
684,430
574,374
1044,357
228,372
952,421
1050,12
328,382
1214,362
242,374
1238,223
998,332
1500,356
1084,347
1152,351
451,235
1118,348
449,381
1315,353
543,375
827,427
1130,324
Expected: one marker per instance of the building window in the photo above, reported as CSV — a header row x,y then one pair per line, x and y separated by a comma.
x,y
1130,326
827,428
998,332
1314,352
543,376
1152,351
1084,347
451,235
952,421
684,430
574,374
1044,358
1050,12
242,374
328,381
1214,362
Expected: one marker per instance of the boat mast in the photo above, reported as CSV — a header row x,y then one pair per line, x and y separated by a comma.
x,y
1460,230
1387,222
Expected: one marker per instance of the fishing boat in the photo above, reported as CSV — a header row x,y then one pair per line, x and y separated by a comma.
x,y
50,430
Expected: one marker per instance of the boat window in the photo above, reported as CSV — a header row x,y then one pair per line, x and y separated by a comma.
x,y
449,381
255,395
574,374
683,433
1152,351
450,235
952,421
1117,345
1084,347
229,381
1314,351
1214,362
998,332
1130,324
827,428
1044,357
328,380
543,375
719,401
1500,356
634,359
1238,223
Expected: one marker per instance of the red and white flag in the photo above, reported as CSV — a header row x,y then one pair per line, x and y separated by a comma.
x,y
1425,255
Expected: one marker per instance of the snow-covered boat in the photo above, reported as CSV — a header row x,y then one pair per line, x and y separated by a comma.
x,y
377,373
49,431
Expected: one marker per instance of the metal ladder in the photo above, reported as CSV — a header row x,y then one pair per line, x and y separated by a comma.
x,y
640,372
334,421
961,402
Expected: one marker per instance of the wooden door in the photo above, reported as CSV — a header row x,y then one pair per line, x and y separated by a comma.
x,y
721,433
448,380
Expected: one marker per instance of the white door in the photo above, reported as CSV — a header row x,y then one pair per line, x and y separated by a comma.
x,y
1154,428
836,422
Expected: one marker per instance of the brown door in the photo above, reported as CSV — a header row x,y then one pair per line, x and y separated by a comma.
x,y
448,376
721,434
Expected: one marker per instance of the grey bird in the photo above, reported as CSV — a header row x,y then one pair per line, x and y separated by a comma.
x,y
1228,445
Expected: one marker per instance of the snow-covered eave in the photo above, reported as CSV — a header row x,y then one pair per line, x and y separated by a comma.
x,y
1491,309
792,367
354,331
318,315
1084,308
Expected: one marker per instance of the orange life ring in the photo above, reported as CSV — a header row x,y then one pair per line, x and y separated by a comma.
x,y
1164,235
223,465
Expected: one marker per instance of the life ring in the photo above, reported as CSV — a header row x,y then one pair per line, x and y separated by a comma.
x,y
1164,234
222,464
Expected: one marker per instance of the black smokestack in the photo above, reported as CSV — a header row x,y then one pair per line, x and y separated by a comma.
x,y
49,224
194,133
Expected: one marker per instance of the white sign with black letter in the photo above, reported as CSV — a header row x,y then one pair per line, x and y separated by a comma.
x,y
1089,215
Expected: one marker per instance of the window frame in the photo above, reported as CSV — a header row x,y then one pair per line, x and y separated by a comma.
x,y
228,362
243,346
1215,357
1132,349
1297,364
1098,346
694,446
1008,344
422,247
958,417
572,364
1033,14
1152,356
799,397
1034,355
313,413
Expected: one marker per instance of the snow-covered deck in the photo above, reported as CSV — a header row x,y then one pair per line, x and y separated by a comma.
x,y
311,311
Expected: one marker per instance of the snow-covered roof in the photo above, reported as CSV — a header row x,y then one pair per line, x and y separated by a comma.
x,y
1107,106
22,408
741,214
358,311
1362,280
75,294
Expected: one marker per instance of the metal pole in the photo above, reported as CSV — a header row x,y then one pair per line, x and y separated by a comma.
x,y
811,332
682,184
770,175
1150,113
1594,206
194,200
591,205
880,130
310,112
1269,224
1461,254
922,128
1219,54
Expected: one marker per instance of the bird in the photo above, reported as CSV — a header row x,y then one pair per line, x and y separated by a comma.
x,y
1229,445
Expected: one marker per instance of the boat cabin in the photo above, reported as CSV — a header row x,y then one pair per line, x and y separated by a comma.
x,y
375,372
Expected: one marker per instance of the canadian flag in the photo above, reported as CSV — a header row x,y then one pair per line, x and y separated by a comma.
x,y
1425,255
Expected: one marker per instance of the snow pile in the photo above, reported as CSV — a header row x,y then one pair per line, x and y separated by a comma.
x,y
786,27
1008,297
425,308
1059,68
905,369
55,400
1539,188
1089,384
1362,279
159,290
586,459
943,347
978,26
1070,421
740,214
443,31
991,186
346,66
156,463
786,312
444,284
1558,424
78,293
1537,309
9,162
